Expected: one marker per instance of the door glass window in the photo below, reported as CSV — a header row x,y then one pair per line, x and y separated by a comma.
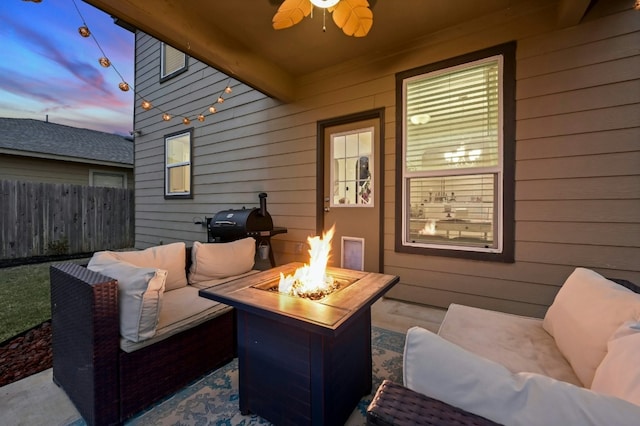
x,y
352,168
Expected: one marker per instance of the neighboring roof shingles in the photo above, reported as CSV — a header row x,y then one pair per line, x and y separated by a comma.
x,y
35,136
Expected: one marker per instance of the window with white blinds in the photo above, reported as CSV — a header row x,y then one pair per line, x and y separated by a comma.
x,y
452,156
453,118
172,60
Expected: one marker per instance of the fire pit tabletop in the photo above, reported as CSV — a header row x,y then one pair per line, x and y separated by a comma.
x,y
251,294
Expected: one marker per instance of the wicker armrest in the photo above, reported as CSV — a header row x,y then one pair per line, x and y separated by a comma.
x,y
394,404
85,340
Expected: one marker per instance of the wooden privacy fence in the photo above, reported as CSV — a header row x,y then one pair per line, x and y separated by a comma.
x,y
39,219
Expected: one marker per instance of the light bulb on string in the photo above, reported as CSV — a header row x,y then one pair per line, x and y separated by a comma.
x,y
84,31
146,105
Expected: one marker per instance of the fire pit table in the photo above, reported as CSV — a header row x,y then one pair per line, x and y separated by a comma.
x,y
303,361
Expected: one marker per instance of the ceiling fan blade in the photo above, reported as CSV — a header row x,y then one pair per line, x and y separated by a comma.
x,y
354,17
290,13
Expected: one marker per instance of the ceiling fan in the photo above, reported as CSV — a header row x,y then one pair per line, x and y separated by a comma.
x,y
354,17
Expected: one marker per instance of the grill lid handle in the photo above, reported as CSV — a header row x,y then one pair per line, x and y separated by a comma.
x,y
225,223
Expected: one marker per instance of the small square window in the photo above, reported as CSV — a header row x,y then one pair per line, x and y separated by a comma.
x,y
172,62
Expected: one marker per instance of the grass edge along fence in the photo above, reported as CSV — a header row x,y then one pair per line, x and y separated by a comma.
x,y
40,219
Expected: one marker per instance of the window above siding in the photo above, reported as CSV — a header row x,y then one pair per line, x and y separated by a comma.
x,y
455,163
178,165
108,179
172,62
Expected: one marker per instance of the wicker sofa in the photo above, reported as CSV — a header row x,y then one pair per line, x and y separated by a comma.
x,y
576,366
108,377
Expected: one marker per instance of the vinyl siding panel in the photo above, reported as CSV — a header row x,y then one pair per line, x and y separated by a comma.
x,y
32,169
577,153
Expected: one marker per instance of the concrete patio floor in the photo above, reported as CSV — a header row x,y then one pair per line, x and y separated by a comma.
x,y
37,401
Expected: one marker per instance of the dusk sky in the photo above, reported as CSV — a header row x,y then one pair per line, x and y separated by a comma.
x,y
47,68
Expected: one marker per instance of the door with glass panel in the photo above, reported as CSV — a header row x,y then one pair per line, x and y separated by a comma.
x,y
352,193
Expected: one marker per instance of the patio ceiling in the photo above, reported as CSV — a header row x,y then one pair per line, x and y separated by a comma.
x,y
236,37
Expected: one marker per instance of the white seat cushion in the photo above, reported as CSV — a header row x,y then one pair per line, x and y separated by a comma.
x,y
519,343
442,370
217,281
182,309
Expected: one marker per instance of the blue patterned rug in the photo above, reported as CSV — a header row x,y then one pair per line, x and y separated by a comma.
x,y
213,400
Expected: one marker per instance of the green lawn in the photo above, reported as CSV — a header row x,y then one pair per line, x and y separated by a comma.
x,y
24,297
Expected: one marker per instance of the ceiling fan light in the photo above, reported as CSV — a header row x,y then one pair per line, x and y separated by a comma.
x,y
324,4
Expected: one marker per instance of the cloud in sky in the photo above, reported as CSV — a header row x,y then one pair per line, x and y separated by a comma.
x,y
49,69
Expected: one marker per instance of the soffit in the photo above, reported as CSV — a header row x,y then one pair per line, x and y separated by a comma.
x,y
237,38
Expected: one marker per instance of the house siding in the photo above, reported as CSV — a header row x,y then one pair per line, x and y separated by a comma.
x,y
577,153
31,169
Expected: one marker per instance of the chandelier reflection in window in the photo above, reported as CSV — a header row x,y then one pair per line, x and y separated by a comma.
x,y
462,157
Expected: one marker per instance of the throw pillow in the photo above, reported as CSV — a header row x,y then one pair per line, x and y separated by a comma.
x,y
170,257
443,370
584,315
211,261
139,297
619,373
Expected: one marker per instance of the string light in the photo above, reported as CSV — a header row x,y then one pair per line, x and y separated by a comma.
x,y
105,62
124,86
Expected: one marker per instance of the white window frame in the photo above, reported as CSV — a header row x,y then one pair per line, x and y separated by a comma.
x,y
332,174
168,167
164,73
94,172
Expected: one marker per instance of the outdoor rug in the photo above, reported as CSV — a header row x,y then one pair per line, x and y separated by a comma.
x,y
213,400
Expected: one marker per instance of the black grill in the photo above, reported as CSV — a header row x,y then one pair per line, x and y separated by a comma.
x,y
231,225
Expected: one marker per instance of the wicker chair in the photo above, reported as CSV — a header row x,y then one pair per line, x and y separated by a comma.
x,y
395,405
106,384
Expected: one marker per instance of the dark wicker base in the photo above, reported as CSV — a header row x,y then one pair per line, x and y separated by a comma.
x,y
106,384
394,404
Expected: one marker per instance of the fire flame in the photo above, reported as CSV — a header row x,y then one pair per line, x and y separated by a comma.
x,y
429,228
311,279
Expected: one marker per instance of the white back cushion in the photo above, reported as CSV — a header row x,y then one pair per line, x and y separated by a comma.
x,y
170,257
140,293
211,261
619,372
584,315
